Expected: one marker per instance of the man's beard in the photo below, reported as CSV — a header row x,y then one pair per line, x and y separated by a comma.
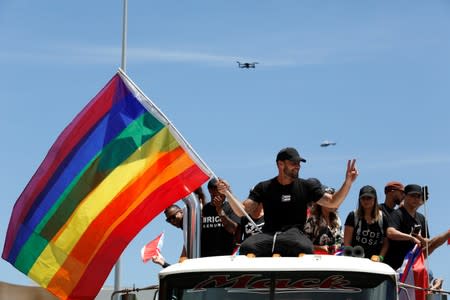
x,y
292,174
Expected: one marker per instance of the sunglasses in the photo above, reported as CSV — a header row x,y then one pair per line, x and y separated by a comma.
x,y
172,218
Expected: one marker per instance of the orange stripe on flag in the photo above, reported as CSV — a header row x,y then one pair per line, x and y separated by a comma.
x,y
100,229
102,263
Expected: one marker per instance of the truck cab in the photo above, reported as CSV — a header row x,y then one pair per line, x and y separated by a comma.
x,y
308,277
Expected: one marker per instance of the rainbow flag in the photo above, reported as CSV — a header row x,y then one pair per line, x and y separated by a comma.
x,y
115,167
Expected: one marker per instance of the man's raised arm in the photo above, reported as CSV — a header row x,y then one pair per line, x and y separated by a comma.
x,y
335,200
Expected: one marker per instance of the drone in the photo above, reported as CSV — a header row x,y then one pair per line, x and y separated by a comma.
x,y
246,65
327,143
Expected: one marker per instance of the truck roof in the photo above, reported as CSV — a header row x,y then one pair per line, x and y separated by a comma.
x,y
303,263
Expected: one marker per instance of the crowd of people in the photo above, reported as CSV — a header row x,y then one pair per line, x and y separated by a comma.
x,y
288,216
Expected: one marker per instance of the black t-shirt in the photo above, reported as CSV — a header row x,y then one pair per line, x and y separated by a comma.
x,y
386,210
401,220
368,236
215,240
247,229
285,205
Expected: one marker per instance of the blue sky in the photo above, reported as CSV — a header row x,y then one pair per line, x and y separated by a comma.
x,y
371,75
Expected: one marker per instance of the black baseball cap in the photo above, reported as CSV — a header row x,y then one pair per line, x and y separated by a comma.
x,y
413,189
367,190
291,154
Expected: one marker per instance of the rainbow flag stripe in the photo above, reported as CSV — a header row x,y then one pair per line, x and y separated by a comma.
x,y
114,168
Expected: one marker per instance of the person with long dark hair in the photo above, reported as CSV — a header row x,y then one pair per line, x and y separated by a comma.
x,y
367,225
323,227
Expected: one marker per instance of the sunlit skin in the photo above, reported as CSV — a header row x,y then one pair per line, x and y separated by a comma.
x,y
255,214
217,198
367,203
412,202
394,197
289,171
398,196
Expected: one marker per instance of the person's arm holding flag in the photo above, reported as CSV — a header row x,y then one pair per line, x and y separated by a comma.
x,y
160,260
438,241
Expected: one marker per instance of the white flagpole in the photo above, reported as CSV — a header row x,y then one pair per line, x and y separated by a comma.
x,y
153,107
122,70
123,67
425,199
124,35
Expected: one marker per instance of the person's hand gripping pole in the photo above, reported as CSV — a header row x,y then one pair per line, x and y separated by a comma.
x,y
238,208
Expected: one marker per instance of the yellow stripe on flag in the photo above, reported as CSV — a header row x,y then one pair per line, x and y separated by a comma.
x,y
56,252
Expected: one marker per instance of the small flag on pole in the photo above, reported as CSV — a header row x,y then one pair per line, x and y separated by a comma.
x,y
153,248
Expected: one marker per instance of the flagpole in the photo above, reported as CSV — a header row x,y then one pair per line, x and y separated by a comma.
x,y
123,67
185,143
163,118
124,35
425,199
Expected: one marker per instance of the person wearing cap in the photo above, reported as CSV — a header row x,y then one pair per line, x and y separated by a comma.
x,y
219,224
394,193
285,199
407,227
366,226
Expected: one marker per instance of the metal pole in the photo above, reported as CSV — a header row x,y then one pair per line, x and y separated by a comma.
x,y
193,215
117,276
124,35
425,199
123,67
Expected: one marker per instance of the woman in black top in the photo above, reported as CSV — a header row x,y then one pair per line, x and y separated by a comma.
x,y
367,225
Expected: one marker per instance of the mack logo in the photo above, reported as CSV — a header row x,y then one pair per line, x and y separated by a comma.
x,y
254,281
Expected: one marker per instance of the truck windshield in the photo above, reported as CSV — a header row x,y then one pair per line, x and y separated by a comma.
x,y
278,286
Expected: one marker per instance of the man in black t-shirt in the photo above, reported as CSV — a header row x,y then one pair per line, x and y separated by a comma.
x,y
285,199
395,192
406,227
219,224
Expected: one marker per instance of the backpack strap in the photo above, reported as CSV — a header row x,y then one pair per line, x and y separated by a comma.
x,y
380,222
